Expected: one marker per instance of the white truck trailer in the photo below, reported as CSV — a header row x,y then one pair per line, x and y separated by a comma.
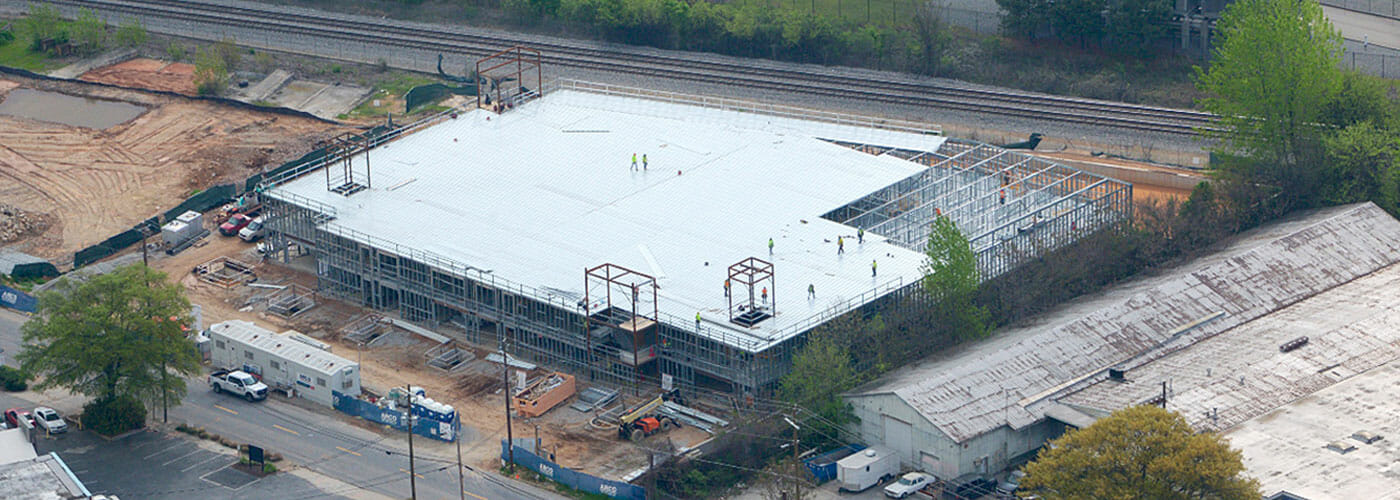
x,y
866,468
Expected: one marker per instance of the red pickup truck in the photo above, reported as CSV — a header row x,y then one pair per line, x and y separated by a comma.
x,y
234,224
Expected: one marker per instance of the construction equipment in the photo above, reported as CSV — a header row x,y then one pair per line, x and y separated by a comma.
x,y
644,420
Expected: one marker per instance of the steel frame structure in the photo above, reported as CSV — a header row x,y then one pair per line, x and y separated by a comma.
x,y
602,313
342,149
1047,206
749,272
1011,206
498,69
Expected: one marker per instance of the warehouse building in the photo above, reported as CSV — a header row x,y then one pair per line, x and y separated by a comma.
x,y
1281,313
630,234
289,362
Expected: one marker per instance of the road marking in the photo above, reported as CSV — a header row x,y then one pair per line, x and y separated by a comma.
x,y
168,462
202,462
355,453
401,469
162,450
474,495
286,429
226,409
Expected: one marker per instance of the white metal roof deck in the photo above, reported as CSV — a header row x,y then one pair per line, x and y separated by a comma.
x,y
536,195
283,346
1014,377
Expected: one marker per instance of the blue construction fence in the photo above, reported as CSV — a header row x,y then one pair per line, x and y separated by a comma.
x,y
823,467
396,418
17,300
571,478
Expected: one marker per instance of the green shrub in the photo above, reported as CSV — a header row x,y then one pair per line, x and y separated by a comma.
x,y
268,468
6,37
131,34
13,379
112,416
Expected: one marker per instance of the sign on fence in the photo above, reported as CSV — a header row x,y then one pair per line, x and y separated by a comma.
x,y
398,419
15,299
574,479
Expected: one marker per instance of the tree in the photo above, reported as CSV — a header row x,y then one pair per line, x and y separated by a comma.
x,y
210,72
1271,78
132,33
1363,164
116,336
1139,452
951,278
932,39
89,31
821,371
1023,18
1079,20
1135,26
43,22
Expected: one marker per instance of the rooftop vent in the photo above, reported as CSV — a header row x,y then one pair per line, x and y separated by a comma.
x,y
1293,344
1342,447
1367,437
1117,374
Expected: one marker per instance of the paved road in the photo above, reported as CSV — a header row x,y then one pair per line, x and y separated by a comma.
x,y
1358,26
323,441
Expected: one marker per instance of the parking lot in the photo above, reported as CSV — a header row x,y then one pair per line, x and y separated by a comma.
x,y
151,465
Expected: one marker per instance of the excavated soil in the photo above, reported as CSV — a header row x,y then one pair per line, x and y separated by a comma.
x,y
146,74
91,184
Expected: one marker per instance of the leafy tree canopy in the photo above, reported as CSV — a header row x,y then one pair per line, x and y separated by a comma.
x,y
1272,76
1139,452
111,336
952,279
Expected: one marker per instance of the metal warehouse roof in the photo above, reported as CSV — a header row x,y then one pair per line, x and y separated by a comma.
x,y
536,195
282,346
1014,377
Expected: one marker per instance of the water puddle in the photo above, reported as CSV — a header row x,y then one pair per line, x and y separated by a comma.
x,y
69,110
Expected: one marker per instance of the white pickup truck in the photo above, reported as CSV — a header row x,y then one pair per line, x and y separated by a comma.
x,y
238,382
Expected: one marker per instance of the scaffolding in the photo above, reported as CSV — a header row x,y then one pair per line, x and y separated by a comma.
x,y
347,179
509,65
751,272
1012,207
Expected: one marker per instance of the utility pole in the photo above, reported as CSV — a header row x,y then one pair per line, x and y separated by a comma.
x,y
505,377
796,484
461,481
412,473
164,389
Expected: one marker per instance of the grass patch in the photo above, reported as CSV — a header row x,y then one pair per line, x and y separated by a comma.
x,y
16,54
389,91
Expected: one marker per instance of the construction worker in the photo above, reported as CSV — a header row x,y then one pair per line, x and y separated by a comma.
x,y
860,235
840,245
872,268
697,320
1003,196
811,291
770,247
634,161
726,287
644,161
765,295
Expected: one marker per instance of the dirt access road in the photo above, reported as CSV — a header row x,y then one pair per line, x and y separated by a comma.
x,y
90,184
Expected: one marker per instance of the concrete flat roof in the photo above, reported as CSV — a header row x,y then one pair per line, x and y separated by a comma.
x,y
534,196
1286,449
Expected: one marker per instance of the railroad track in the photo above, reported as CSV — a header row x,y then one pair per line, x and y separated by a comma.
x,y
755,76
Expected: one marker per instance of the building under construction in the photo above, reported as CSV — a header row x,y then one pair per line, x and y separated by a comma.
x,y
623,234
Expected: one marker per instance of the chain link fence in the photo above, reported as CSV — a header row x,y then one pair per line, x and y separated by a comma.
x,y
1371,59
1379,7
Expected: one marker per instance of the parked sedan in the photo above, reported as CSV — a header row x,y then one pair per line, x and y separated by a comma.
x,y
49,420
14,415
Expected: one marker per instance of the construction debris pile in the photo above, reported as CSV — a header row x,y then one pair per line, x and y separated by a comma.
x,y
16,223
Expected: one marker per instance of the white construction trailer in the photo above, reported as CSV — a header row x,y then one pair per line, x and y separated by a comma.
x,y
288,362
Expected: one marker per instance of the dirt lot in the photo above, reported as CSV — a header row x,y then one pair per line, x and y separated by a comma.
x,y
90,184
398,360
147,74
